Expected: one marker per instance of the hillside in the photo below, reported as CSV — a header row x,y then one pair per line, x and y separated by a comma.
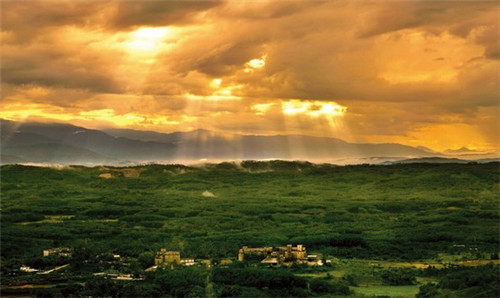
x,y
373,223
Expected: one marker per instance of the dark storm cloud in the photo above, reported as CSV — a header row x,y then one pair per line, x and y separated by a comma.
x,y
131,14
428,14
52,73
27,18
52,63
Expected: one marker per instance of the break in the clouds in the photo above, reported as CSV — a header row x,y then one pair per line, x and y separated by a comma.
x,y
415,72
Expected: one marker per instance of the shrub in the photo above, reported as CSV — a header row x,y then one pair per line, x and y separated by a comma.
x,y
398,276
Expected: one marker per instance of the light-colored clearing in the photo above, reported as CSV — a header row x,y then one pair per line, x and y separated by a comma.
x,y
49,219
106,220
333,273
391,291
208,194
477,262
106,176
130,173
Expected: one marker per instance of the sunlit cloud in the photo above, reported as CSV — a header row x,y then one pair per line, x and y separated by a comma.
x,y
262,108
424,57
220,96
39,112
215,83
22,112
146,39
255,64
259,67
220,92
312,108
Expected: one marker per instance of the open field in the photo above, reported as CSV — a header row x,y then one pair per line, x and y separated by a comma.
x,y
391,291
368,220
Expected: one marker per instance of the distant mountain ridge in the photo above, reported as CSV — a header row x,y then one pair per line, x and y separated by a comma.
x,y
440,160
460,151
276,146
69,144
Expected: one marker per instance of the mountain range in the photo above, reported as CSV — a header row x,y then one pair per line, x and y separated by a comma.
x,y
33,142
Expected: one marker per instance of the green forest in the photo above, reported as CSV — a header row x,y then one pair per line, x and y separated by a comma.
x,y
425,230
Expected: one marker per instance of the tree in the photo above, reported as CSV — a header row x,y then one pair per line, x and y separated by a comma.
x,y
398,276
146,259
428,291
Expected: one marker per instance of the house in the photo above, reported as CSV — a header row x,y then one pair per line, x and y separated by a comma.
x,y
27,269
188,262
259,251
60,251
295,253
164,257
282,254
270,261
167,257
314,260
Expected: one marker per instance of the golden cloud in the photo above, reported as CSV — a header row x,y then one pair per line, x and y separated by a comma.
x,y
407,70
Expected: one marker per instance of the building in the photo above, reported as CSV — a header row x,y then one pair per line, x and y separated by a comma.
x,y
314,260
164,257
188,262
60,251
27,269
270,261
272,256
167,257
259,251
293,253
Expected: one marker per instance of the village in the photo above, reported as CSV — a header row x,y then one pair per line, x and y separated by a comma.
x,y
265,256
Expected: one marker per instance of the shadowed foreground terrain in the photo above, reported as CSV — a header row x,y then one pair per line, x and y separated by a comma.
x,y
396,230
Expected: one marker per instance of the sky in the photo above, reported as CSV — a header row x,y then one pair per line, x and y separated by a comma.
x,y
420,73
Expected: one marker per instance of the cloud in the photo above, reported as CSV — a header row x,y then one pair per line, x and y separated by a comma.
x,y
131,14
26,18
400,68
57,58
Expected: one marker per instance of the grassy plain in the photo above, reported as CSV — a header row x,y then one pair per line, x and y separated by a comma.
x,y
430,214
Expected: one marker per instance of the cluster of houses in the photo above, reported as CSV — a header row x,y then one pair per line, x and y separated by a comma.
x,y
117,276
271,256
284,255
58,251
281,255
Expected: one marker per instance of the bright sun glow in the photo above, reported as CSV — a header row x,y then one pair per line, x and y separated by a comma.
x,y
146,39
216,83
255,64
312,108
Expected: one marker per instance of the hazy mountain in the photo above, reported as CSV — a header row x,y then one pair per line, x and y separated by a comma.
x,y
463,150
175,137
440,160
207,144
11,159
423,148
65,143
65,138
51,153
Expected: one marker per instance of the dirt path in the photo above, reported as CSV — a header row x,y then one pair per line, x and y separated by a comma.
x,y
209,290
55,269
